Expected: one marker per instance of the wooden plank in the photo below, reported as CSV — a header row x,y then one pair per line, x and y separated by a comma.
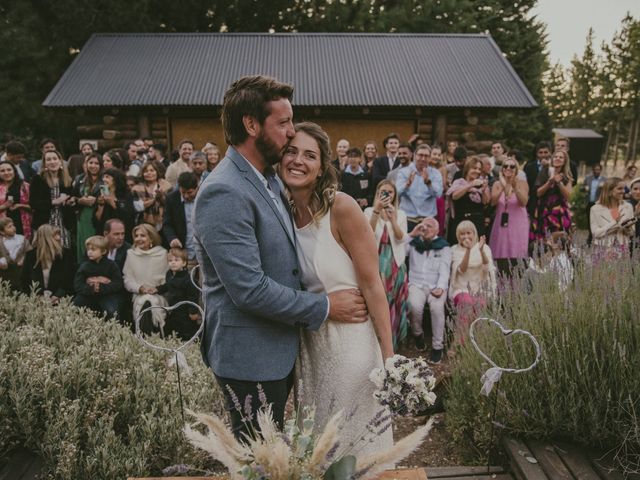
x,y
443,472
521,467
35,470
576,461
549,460
404,474
18,464
490,476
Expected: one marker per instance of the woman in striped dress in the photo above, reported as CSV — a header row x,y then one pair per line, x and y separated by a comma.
x,y
390,226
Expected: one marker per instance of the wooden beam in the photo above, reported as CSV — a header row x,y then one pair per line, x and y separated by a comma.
x,y
143,126
522,468
440,135
549,460
444,472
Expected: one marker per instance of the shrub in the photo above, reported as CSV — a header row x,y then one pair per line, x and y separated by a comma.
x,y
88,397
586,385
579,201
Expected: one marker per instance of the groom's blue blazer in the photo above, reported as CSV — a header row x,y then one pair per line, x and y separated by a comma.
x,y
252,289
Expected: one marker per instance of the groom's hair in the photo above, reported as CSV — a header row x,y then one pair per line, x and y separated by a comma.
x,y
249,96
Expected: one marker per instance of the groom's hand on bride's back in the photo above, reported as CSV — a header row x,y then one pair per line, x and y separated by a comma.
x,y
347,306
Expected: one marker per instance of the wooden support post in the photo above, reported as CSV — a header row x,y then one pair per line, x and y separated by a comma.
x,y
440,133
143,126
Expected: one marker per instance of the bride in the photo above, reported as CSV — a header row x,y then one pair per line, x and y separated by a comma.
x,y
336,250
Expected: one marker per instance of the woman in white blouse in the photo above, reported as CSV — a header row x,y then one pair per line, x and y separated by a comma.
x,y
611,218
389,224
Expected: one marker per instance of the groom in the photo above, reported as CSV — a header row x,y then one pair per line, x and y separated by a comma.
x,y
245,241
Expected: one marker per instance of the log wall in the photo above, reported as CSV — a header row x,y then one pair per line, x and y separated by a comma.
x,y
114,130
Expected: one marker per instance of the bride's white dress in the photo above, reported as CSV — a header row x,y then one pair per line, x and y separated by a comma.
x,y
335,361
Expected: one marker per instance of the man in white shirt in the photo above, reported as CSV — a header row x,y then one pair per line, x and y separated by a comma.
x,y
185,147
429,270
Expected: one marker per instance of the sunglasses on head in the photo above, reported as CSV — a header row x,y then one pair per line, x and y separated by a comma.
x,y
509,165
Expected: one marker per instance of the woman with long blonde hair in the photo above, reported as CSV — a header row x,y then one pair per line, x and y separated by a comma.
x,y
335,246
49,265
554,184
612,219
51,197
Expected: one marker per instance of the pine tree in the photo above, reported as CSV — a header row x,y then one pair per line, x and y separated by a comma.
x,y
557,94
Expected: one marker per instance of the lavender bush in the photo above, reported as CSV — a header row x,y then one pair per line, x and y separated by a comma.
x,y
88,397
586,386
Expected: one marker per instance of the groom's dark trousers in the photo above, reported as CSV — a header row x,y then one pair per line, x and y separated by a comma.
x,y
243,412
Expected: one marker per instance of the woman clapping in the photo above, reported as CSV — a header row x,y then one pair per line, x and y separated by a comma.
x,y
510,233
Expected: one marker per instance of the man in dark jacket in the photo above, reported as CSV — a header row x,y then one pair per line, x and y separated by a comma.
x,y
117,248
177,225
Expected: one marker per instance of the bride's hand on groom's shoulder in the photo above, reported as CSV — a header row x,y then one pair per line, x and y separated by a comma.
x,y
347,306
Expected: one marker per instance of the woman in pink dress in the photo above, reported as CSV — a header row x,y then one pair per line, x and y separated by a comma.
x,y
509,238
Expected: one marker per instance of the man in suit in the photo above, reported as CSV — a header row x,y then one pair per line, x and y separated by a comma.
x,y
532,169
563,143
245,246
177,222
383,165
117,247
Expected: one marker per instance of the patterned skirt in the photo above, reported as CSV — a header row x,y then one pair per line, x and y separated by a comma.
x,y
552,215
395,280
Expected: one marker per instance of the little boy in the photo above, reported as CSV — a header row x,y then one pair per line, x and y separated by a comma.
x,y
355,181
178,287
13,248
98,281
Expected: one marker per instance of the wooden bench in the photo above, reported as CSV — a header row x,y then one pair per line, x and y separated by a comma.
x,y
550,460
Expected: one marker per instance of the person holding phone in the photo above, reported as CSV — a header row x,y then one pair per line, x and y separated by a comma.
x,y
612,218
468,197
509,239
115,201
389,224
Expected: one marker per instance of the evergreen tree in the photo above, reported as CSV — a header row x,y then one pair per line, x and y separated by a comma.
x,y
557,94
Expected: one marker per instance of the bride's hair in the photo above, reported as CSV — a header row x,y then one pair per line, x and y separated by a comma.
x,y
326,187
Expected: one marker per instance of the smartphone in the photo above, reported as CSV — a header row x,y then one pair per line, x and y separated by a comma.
x,y
104,190
9,198
504,219
384,194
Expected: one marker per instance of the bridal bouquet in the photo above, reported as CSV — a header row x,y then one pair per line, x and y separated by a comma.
x,y
405,385
297,452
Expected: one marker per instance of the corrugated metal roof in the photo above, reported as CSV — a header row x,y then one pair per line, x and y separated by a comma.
x,y
577,133
337,69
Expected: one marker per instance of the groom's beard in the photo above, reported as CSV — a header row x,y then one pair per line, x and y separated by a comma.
x,y
269,150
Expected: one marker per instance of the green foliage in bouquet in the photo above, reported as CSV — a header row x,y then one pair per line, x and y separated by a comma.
x,y
585,389
87,396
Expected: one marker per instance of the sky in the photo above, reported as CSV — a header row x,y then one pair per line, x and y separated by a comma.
x,y
568,23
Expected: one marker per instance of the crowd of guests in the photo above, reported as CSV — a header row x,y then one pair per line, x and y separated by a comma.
x,y
452,225
114,230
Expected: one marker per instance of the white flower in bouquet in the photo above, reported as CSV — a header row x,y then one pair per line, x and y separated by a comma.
x,y
405,385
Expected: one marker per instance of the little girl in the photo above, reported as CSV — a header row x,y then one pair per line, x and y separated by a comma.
x,y
13,248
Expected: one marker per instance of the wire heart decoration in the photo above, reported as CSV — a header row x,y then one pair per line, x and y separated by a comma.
x,y
493,374
180,358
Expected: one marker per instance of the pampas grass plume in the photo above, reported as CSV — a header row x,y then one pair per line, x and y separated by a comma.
x,y
379,461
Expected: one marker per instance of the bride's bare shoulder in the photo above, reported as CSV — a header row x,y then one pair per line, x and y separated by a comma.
x,y
343,204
